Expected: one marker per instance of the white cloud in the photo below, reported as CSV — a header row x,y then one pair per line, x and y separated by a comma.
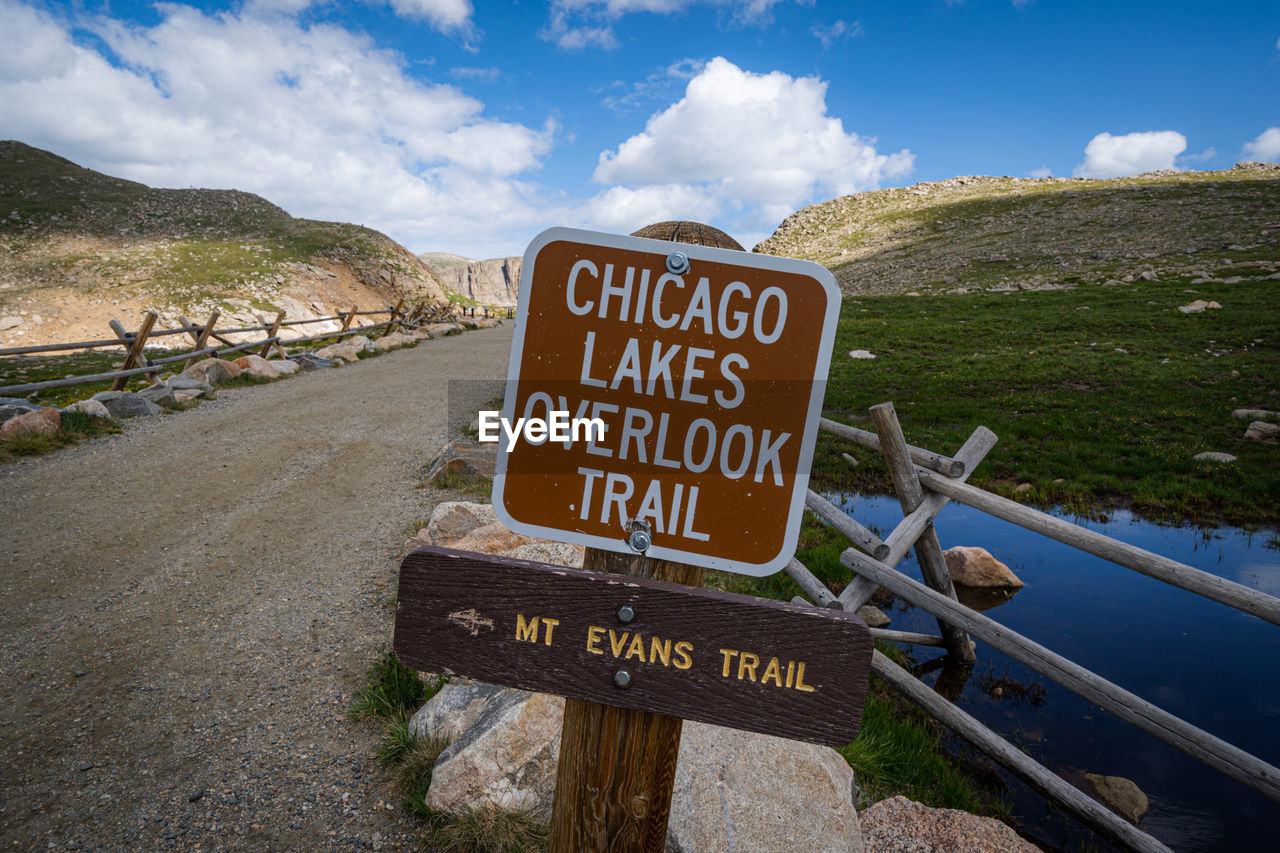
x,y
1188,160
447,15
316,119
836,31
1108,156
758,141
624,210
579,24
1265,146
1042,172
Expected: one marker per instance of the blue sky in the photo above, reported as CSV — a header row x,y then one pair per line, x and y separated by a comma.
x,y
470,127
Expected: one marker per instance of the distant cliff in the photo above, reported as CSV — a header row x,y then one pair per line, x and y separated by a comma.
x,y
492,282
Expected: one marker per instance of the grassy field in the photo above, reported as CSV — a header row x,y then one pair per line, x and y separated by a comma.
x,y
1101,396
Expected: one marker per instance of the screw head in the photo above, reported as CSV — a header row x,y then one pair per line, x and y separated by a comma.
x,y
626,613
622,678
639,540
677,263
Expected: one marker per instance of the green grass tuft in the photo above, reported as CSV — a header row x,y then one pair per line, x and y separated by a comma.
x,y
391,690
487,830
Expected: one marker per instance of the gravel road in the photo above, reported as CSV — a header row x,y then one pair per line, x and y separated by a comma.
x,y
186,609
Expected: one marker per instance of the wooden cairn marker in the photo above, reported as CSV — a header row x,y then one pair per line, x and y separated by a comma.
x,y
706,467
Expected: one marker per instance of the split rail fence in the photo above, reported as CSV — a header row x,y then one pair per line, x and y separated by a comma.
x,y
925,482
137,363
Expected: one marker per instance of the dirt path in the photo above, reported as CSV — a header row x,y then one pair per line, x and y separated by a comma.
x,y
185,610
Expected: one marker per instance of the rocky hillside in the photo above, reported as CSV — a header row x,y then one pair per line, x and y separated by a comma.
x,y
495,282
991,233
78,248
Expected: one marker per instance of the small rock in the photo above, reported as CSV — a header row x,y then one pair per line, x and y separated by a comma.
x,y
1148,275
899,825
873,616
1212,456
1254,414
258,366
160,394
43,422
1259,431
195,796
452,520
490,539
861,354
973,566
86,765
126,404
463,458
1111,282
213,371
89,407
7,323
311,361
284,367
1119,794
554,553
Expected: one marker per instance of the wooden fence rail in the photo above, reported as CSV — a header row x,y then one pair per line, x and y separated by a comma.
x,y
134,343
926,482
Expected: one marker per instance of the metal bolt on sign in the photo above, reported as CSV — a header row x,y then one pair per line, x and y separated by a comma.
x,y
626,613
622,678
640,538
677,263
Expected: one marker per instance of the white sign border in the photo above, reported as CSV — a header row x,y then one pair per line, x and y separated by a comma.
x,y
694,252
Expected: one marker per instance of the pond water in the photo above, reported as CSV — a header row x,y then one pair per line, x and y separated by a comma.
x,y
1202,661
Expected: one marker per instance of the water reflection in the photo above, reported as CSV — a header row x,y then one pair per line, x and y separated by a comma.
x,y
1200,660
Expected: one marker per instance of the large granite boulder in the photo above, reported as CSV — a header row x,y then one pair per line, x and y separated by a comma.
x,y
258,366
1263,431
971,566
452,520
42,422
285,367
312,361
126,404
11,407
89,407
1121,795
505,753
899,825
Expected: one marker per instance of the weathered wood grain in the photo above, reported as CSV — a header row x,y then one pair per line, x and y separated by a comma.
x,y
795,672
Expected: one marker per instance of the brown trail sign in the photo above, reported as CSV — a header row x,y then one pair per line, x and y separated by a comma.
x,y
704,370
700,654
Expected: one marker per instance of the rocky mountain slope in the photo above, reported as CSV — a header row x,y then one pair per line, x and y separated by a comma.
x,y
78,248
495,282
989,233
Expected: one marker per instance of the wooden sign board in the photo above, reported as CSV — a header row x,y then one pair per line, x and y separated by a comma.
x,y
709,384
700,654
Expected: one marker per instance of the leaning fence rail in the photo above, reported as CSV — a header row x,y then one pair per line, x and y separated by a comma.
x,y
925,483
134,343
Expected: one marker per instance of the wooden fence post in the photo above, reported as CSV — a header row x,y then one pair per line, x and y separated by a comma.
x,y
394,320
617,767
135,358
275,330
933,566
347,317
205,331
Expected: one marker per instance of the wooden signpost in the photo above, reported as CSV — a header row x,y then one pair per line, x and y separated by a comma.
x,y
702,370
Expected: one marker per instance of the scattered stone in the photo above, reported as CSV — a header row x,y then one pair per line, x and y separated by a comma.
x,y
722,799
89,407
1111,282
213,371
456,708
506,758
386,343
873,616
490,539
861,354
973,566
195,796
555,553
43,422
452,520
1119,794
1263,431
186,383
161,394
899,825
11,407
1197,306
258,366
7,323
345,351
126,404
1254,414
311,361
1211,456
463,458
284,367
1148,275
